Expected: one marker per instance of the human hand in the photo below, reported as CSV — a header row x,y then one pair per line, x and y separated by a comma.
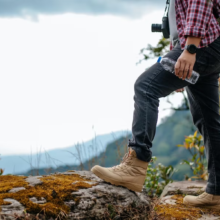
x,y
184,65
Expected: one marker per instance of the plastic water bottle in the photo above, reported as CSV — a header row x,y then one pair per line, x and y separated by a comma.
x,y
169,65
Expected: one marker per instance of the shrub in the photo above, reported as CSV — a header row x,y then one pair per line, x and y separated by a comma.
x,y
157,177
197,162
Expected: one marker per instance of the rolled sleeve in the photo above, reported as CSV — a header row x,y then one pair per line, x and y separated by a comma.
x,y
197,18
194,31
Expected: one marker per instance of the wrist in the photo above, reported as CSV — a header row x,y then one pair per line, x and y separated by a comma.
x,y
188,53
193,40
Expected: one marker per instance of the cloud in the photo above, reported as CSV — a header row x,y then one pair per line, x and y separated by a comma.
x,y
32,8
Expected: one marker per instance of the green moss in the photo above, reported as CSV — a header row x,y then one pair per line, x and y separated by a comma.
x,y
55,189
111,210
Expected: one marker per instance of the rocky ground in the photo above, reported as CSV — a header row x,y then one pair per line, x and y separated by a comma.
x,y
82,195
171,205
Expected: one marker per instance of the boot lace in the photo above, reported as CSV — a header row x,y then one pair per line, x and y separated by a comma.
x,y
202,195
125,161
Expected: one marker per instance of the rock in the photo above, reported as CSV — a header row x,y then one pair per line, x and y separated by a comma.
x,y
184,187
71,204
93,199
87,174
74,183
14,208
171,202
168,200
90,183
41,201
33,180
82,195
209,217
17,189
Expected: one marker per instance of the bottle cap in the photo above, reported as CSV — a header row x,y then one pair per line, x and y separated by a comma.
x,y
159,59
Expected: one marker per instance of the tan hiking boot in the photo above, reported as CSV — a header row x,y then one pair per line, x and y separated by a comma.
x,y
204,200
130,173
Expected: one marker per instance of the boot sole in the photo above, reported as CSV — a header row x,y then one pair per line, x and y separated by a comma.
x,y
203,206
131,186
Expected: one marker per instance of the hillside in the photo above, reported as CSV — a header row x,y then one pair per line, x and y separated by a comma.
x,y
170,133
13,164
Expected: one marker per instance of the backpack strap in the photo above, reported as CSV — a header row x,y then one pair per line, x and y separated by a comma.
x,y
167,8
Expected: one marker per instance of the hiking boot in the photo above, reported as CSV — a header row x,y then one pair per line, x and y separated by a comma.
x,y
130,173
204,200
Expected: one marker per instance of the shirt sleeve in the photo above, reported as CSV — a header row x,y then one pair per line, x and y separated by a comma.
x,y
198,16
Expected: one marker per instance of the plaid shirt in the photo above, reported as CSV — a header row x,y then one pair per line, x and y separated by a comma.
x,y
197,18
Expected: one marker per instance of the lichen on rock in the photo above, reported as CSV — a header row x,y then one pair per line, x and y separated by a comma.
x,y
82,195
70,195
55,189
171,203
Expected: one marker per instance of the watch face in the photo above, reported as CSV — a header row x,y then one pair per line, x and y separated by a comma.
x,y
192,48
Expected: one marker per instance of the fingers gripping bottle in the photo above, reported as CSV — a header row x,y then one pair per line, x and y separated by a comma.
x,y
169,65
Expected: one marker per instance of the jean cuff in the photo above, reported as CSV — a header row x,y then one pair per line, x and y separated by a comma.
x,y
142,154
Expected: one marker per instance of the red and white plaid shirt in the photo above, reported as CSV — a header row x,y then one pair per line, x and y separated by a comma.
x,y
197,18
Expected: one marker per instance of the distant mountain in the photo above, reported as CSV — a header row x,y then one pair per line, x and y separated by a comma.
x,y
14,164
111,156
169,133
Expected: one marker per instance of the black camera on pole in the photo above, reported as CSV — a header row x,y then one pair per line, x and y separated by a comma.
x,y
164,27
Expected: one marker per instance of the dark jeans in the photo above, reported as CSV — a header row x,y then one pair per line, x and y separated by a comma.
x,y
203,97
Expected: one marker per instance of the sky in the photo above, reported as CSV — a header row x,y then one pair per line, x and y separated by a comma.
x,y
128,8
68,69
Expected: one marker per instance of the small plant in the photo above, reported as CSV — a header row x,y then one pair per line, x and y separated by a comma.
x,y
111,210
197,162
157,177
1,170
151,52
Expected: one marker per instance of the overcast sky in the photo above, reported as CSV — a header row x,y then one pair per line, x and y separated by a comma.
x,y
70,70
32,8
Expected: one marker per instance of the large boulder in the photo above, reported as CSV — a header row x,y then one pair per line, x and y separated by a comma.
x,y
68,195
82,195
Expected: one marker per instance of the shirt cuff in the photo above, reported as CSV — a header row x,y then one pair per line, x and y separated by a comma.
x,y
194,32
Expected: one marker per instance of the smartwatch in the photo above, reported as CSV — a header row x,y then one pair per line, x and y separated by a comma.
x,y
191,48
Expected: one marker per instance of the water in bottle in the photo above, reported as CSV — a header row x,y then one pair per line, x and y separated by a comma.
x,y
169,65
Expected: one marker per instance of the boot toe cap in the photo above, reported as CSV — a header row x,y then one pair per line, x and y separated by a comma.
x,y
105,173
95,168
191,200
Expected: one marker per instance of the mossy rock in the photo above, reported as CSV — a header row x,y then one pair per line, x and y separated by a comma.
x,y
171,207
68,195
